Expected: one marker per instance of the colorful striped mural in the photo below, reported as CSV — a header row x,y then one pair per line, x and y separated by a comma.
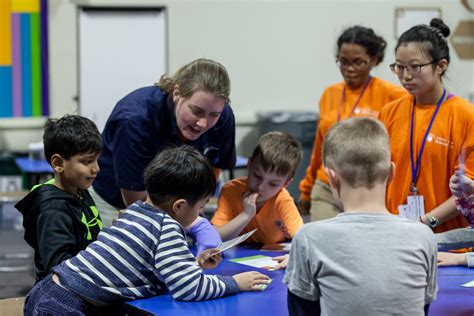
x,y
23,58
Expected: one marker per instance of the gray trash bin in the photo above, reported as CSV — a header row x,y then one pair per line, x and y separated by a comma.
x,y
301,125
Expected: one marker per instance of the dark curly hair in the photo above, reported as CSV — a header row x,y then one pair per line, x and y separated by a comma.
x,y
365,37
70,135
179,173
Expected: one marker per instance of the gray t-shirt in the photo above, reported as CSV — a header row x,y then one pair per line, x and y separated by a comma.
x,y
364,264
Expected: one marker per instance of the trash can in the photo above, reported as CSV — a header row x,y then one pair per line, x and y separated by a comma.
x,y
302,125
10,177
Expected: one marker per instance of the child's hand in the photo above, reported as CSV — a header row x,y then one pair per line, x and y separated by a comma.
x,y
282,262
461,186
250,201
451,259
251,281
208,260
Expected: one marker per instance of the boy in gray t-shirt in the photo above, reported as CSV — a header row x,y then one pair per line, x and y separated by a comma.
x,y
365,261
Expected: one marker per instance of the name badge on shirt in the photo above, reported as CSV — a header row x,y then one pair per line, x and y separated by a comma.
x,y
414,208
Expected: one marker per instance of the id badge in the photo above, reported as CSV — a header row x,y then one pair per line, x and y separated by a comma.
x,y
406,212
416,204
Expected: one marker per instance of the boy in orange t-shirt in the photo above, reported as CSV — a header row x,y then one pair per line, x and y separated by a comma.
x,y
261,200
430,131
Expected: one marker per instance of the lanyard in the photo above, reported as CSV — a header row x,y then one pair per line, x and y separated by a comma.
x,y
355,104
415,168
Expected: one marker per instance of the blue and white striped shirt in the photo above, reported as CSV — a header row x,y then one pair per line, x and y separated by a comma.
x,y
144,253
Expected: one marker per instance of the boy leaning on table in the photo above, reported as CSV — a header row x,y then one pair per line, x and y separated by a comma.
x,y
260,200
364,261
144,253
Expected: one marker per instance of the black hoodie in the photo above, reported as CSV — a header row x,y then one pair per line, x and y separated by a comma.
x,y
54,225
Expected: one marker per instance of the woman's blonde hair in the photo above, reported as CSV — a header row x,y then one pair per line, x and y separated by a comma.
x,y
201,74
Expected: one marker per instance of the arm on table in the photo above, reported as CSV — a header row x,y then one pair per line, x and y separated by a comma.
x,y
455,239
452,259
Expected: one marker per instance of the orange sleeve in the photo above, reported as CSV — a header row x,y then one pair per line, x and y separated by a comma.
x,y
227,206
291,218
307,183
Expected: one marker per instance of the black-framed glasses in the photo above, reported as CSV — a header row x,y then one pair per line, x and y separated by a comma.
x,y
413,69
356,63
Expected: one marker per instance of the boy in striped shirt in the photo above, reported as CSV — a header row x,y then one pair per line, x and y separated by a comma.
x,y
144,253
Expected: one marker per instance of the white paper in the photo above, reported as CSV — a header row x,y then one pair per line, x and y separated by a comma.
x,y
257,261
416,205
468,284
405,211
233,242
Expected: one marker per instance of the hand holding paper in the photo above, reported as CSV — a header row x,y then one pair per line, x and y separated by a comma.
x,y
233,242
209,259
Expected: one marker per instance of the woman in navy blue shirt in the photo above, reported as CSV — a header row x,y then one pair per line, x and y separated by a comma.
x,y
191,107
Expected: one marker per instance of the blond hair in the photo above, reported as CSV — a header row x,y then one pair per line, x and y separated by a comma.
x,y
199,75
278,152
358,150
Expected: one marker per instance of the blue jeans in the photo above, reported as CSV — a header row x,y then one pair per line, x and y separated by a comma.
x,y
48,298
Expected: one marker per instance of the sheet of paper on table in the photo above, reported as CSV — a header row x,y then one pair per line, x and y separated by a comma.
x,y
234,242
468,284
258,261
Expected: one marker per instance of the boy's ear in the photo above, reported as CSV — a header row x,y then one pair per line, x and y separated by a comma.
x,y
57,162
179,206
391,173
333,178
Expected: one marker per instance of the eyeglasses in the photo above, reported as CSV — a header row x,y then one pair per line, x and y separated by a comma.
x,y
411,69
357,63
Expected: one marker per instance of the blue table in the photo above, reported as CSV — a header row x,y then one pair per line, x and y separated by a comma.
x,y
452,298
33,171
33,166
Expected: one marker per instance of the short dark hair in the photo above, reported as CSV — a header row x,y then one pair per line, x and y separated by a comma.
x,y
432,39
358,149
179,173
365,37
278,152
70,135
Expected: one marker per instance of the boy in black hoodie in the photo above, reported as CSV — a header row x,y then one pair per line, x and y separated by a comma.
x,y
59,216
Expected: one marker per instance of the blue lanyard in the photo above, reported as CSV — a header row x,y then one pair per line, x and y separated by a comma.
x,y
355,104
415,168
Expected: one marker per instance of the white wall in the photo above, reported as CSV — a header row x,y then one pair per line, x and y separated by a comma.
x,y
280,53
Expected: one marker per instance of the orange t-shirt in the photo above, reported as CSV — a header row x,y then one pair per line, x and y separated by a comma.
x,y
277,220
452,131
377,94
